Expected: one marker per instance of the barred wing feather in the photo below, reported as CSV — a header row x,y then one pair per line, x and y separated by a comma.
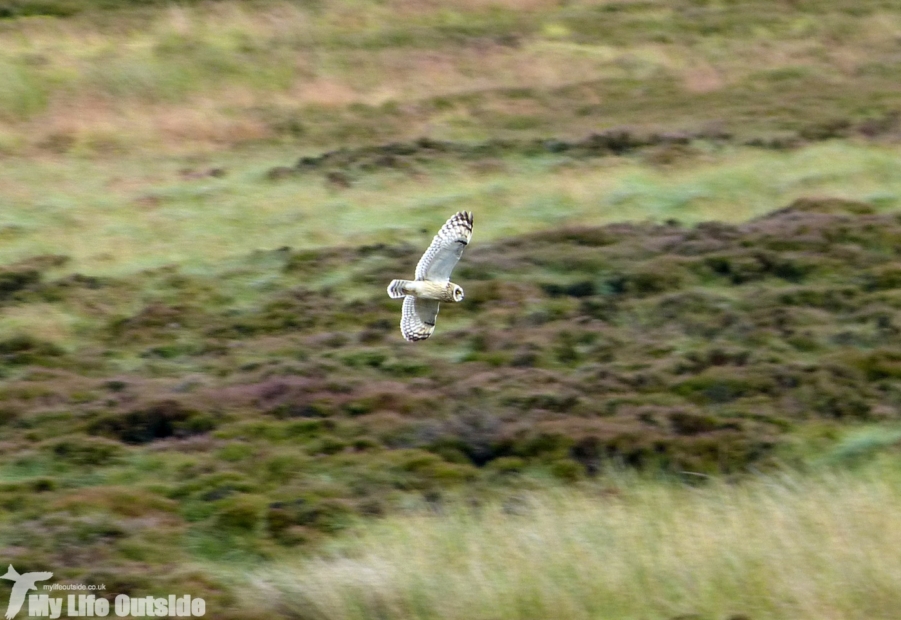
x,y
446,249
417,320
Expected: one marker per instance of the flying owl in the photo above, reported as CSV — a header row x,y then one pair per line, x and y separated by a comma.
x,y
432,285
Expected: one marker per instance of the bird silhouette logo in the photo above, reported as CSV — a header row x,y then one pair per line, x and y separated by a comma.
x,y
21,585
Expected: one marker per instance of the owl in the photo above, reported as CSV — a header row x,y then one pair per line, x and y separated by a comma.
x,y
432,285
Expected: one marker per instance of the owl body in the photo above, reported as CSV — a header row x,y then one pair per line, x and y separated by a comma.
x,y
432,285
425,289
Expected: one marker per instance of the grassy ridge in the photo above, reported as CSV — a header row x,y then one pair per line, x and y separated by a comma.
x,y
116,217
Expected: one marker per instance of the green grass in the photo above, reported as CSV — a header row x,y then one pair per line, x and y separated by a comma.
x,y
116,217
777,547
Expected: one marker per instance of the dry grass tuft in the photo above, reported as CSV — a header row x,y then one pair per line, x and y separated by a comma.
x,y
773,548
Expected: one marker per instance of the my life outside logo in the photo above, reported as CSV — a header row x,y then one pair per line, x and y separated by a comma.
x,y
90,605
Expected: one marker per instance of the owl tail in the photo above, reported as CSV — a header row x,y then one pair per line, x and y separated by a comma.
x,y
396,288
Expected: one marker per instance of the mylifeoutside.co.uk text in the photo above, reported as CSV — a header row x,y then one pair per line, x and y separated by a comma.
x,y
73,586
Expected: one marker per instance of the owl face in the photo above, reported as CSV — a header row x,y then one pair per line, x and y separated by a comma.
x,y
457,293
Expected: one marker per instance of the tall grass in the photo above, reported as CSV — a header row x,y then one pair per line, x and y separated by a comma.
x,y
823,547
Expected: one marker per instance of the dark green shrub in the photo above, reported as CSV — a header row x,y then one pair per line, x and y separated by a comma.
x,y
589,452
832,299
278,519
880,364
319,409
566,470
833,206
12,281
721,385
507,465
372,358
326,515
883,277
542,444
744,267
326,445
842,404
686,423
87,450
648,279
213,487
168,418
408,367
584,288
240,514
25,349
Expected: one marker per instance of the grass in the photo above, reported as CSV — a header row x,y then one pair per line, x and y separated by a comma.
x,y
115,217
190,77
776,547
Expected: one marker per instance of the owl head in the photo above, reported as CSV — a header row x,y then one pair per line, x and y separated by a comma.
x,y
457,292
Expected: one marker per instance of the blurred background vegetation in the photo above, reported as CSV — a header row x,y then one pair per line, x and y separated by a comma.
x,y
676,370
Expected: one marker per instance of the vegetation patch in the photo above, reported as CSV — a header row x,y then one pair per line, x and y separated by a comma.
x,y
342,166
156,421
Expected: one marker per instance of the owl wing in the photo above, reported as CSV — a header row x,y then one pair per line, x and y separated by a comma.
x,y
446,249
417,320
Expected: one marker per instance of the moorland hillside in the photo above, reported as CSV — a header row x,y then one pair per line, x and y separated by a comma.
x,y
684,284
